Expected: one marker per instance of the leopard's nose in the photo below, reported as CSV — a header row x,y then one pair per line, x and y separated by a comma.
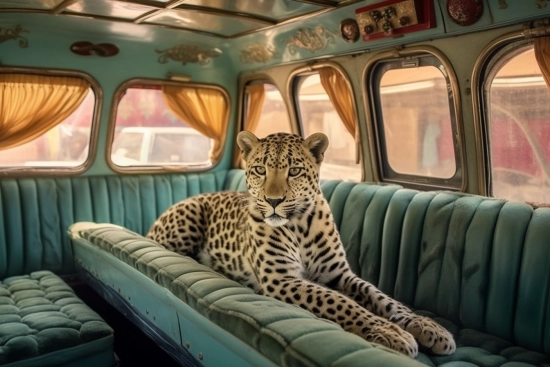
x,y
274,201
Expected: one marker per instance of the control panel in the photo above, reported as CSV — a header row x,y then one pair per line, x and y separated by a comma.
x,y
394,17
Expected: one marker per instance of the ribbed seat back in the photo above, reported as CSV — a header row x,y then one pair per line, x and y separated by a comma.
x,y
36,212
481,263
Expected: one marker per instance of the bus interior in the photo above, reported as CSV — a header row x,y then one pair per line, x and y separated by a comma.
x,y
437,172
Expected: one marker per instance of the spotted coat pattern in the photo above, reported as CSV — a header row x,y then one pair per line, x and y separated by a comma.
x,y
280,239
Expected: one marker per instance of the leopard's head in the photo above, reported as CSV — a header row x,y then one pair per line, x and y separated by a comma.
x,y
282,173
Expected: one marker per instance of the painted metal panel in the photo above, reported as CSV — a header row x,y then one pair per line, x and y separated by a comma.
x,y
158,306
509,11
213,23
109,9
268,8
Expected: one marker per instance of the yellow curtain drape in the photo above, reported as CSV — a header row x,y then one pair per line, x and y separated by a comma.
x,y
542,54
340,96
30,105
204,109
256,96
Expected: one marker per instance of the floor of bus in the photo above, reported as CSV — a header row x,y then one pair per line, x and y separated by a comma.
x,y
132,347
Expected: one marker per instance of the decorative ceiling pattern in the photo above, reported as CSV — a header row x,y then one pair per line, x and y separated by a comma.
x,y
220,18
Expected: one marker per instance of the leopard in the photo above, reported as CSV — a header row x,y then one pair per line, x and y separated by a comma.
x,y
280,239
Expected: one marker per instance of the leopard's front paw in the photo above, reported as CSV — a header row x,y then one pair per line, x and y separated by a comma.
x,y
391,336
428,333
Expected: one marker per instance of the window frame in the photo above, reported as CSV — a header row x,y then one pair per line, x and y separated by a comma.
x,y
243,108
152,169
384,172
56,171
497,55
244,104
293,88
478,73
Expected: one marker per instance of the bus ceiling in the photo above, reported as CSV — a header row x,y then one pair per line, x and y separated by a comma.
x,y
254,34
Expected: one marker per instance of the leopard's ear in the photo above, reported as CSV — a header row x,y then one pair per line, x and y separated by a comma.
x,y
247,142
317,144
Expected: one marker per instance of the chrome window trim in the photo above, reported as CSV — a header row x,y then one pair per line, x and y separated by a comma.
x,y
292,86
422,182
476,86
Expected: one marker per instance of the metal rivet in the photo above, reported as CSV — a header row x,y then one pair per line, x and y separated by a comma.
x,y
147,311
187,345
200,356
155,318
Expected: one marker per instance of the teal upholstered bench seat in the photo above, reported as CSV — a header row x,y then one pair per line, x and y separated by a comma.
x,y
477,265
43,323
279,333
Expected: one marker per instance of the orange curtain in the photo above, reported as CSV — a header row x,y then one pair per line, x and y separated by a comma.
x,y
542,54
30,105
204,109
256,98
255,94
340,96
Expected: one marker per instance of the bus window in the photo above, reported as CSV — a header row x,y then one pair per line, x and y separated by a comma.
x,y
266,112
68,107
318,114
518,125
149,133
415,120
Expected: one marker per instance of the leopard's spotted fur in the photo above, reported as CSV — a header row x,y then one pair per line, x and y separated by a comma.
x,y
280,239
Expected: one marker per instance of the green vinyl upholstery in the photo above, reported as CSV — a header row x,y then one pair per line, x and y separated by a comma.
x,y
36,212
43,323
283,334
47,329
476,264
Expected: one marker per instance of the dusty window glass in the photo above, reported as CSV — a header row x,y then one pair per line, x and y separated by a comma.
x,y
65,145
148,133
317,114
519,128
274,114
416,122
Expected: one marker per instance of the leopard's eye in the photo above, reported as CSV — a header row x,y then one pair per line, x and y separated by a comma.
x,y
294,171
259,170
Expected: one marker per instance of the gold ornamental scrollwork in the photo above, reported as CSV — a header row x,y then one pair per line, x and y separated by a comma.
x,y
258,52
188,53
311,39
7,34
502,4
541,4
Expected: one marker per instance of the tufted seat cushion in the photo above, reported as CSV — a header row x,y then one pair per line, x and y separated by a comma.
x,y
42,323
285,334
